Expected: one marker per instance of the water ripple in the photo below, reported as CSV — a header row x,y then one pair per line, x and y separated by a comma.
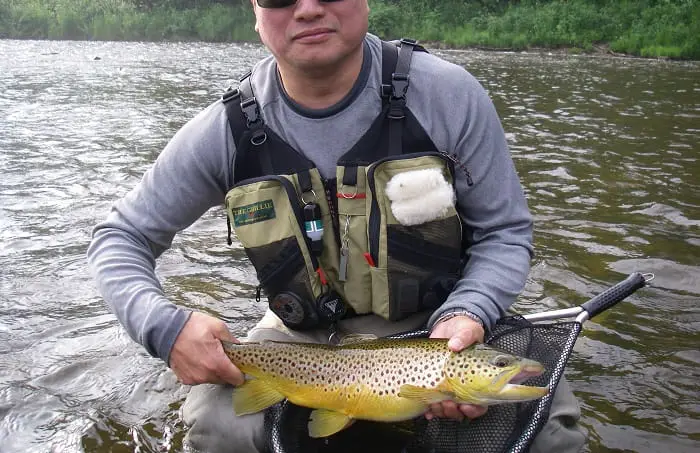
x,y
607,150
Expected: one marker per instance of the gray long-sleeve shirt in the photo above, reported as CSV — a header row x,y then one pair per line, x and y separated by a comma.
x,y
194,171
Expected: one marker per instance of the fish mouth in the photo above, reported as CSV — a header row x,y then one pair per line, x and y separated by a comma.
x,y
514,391
526,373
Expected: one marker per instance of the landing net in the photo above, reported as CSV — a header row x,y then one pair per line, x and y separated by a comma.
x,y
505,427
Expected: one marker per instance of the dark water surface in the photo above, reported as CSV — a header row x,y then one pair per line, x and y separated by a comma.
x,y
607,149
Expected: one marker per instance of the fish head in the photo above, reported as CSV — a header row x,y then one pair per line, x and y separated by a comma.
x,y
484,375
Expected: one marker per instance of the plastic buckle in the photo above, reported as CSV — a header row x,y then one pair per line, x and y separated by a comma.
x,y
231,93
396,108
386,91
250,111
409,41
399,85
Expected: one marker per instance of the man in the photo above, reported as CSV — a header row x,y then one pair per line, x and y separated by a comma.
x,y
320,92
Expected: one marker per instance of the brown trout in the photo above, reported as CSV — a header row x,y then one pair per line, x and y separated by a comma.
x,y
380,380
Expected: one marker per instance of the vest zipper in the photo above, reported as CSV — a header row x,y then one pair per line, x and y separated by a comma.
x,y
374,223
463,167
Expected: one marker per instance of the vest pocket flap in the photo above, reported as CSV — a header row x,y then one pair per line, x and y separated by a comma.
x,y
265,211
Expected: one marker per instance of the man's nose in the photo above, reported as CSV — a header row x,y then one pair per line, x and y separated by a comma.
x,y
308,9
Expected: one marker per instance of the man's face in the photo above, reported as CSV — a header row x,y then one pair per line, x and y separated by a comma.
x,y
312,35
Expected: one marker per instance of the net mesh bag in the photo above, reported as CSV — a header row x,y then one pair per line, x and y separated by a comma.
x,y
504,428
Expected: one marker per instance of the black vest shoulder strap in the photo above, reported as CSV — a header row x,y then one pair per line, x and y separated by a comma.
x,y
396,64
244,114
245,121
250,133
395,131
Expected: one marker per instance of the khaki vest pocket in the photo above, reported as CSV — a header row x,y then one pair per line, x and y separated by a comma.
x,y
266,216
421,254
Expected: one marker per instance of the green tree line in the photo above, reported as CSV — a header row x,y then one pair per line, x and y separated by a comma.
x,y
649,28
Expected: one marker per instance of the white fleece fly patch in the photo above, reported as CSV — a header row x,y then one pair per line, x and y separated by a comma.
x,y
419,196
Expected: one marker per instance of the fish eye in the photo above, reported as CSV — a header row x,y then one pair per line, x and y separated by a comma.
x,y
501,361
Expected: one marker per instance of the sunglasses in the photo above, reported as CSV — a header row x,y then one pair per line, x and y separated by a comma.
x,y
284,3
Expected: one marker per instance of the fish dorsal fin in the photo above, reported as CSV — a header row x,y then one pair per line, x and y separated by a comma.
x,y
253,396
353,338
323,423
426,395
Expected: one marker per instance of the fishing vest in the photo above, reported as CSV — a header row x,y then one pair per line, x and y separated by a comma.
x,y
382,237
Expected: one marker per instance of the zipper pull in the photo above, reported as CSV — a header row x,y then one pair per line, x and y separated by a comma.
x,y
333,337
257,293
344,251
343,268
465,170
470,181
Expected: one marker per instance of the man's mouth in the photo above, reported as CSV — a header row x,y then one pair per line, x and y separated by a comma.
x,y
313,33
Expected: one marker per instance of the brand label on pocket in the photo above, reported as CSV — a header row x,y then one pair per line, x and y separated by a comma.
x,y
253,213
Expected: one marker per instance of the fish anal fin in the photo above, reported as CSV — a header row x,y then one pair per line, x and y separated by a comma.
x,y
323,423
426,395
353,338
253,396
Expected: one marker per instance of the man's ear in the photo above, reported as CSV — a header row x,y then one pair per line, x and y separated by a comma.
x,y
255,8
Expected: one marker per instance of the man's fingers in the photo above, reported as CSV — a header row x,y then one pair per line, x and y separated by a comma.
x,y
452,411
198,355
222,333
435,411
230,374
440,331
460,340
445,409
471,411
462,331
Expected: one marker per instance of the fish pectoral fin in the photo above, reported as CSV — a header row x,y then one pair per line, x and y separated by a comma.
x,y
323,423
353,338
253,396
426,395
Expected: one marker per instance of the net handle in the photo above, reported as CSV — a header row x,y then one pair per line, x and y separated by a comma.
x,y
599,303
613,295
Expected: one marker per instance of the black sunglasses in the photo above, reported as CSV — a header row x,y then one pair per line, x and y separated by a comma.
x,y
284,3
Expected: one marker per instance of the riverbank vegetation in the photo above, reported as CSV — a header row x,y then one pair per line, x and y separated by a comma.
x,y
648,28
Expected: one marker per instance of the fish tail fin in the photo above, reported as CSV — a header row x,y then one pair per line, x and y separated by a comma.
x,y
253,396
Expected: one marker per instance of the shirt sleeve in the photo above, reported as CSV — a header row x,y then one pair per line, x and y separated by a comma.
x,y
490,200
190,176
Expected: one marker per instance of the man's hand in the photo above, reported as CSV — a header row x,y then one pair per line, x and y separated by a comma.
x,y
462,332
197,356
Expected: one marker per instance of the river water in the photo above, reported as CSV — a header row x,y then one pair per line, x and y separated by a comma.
x,y
607,149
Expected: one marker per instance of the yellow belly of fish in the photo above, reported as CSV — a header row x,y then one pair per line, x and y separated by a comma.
x,y
355,401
